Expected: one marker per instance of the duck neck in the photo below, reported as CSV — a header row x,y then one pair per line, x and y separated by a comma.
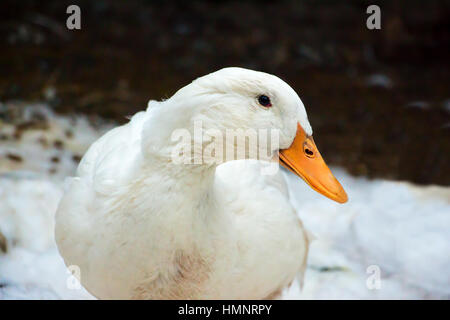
x,y
184,196
184,182
193,180
188,186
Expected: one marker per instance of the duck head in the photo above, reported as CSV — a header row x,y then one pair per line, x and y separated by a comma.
x,y
242,99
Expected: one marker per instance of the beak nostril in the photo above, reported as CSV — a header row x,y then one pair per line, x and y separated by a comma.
x,y
304,159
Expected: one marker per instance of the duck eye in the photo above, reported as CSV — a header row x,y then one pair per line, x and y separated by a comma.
x,y
264,101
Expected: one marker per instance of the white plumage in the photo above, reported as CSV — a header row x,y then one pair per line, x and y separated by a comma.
x,y
140,226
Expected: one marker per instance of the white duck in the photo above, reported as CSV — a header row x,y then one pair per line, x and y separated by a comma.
x,y
140,225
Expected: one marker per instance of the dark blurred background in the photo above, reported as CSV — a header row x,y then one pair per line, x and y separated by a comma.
x,y
378,100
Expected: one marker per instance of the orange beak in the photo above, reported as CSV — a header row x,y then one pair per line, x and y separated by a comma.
x,y
303,159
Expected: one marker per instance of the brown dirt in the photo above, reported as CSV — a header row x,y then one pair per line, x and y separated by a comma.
x,y
129,52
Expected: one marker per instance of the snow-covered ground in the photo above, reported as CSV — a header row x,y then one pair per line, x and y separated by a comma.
x,y
397,229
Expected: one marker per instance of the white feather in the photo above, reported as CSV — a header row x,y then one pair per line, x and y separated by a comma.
x,y
140,226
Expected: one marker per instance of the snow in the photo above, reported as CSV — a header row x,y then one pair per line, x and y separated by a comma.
x,y
396,228
400,228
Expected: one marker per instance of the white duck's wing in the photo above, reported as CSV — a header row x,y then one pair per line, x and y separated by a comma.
x,y
113,158
80,219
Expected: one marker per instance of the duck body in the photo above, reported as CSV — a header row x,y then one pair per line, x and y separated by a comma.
x,y
185,233
140,225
